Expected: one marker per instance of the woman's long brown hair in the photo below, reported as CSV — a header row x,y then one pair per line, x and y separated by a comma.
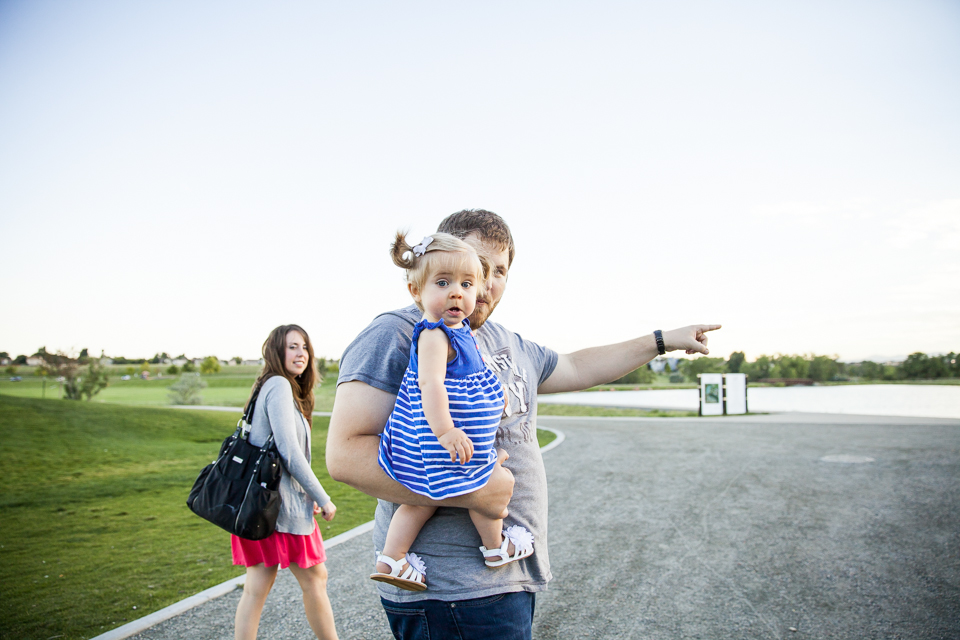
x,y
274,355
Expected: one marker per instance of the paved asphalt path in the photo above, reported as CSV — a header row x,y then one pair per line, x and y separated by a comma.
x,y
712,528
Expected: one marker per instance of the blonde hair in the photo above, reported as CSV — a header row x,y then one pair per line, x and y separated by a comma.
x,y
444,251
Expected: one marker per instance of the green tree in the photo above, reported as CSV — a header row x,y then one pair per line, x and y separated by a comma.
x,y
187,390
735,361
822,368
758,369
790,367
188,367
92,382
173,370
915,366
952,361
691,368
11,370
210,364
871,370
641,375
937,368
237,360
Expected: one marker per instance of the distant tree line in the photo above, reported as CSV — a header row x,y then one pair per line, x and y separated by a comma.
x,y
918,366
210,364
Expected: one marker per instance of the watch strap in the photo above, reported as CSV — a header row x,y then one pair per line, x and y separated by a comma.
x,y
661,348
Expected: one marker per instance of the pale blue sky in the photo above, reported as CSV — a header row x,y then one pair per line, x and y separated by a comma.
x,y
182,177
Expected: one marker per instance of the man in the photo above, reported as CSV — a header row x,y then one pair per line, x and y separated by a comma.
x,y
464,599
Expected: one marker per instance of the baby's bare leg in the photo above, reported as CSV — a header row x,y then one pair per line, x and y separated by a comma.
x,y
404,527
491,531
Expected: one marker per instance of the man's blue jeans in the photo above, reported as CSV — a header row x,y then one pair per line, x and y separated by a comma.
x,y
505,616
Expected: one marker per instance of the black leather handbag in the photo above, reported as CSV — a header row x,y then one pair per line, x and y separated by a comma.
x,y
240,490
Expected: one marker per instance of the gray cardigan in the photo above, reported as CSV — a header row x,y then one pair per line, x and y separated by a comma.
x,y
299,488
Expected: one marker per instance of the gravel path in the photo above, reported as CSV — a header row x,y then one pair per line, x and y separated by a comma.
x,y
697,528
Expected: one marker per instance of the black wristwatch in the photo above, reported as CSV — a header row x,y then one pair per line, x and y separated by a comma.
x,y
661,348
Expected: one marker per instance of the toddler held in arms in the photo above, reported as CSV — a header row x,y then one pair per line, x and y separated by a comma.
x,y
439,440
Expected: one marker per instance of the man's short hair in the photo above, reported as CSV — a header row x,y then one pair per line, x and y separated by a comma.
x,y
489,225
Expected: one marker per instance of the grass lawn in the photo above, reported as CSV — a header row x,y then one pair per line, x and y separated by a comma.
x,y
224,390
96,531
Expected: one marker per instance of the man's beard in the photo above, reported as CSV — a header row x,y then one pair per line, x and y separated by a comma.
x,y
480,313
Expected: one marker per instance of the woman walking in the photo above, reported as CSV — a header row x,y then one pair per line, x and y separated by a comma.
x,y
284,407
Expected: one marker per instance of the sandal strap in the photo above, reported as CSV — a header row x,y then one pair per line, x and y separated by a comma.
x,y
395,565
518,536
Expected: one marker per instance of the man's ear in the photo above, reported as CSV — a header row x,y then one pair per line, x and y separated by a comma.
x,y
414,292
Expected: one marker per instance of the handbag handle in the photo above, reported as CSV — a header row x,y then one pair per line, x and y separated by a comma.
x,y
247,419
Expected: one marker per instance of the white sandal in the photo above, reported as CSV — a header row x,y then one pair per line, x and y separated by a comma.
x,y
413,579
522,547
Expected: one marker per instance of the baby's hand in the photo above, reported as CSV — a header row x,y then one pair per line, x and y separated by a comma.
x,y
458,444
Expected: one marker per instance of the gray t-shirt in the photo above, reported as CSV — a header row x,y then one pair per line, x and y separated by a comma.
x,y
449,543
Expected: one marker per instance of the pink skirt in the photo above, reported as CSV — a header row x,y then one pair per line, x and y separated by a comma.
x,y
280,548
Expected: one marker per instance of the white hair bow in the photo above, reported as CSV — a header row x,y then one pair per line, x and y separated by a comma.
x,y
421,248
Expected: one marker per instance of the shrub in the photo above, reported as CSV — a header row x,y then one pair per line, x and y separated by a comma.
x,y
86,386
643,375
691,368
210,364
187,389
172,370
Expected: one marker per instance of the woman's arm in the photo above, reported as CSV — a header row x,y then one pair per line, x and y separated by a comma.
x,y
432,351
282,414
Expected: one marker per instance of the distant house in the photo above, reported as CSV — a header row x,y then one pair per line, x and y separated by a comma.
x,y
106,360
34,361
5,361
179,362
251,363
658,365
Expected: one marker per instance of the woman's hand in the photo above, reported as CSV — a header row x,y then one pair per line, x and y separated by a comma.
x,y
456,442
328,510
691,339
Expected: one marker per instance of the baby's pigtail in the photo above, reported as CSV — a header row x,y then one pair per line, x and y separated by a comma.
x,y
402,253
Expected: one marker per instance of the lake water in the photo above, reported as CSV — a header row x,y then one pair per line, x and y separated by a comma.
x,y
931,401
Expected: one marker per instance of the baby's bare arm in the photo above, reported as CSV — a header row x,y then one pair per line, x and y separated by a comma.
x,y
432,357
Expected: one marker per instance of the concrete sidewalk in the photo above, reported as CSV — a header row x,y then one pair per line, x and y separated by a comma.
x,y
703,528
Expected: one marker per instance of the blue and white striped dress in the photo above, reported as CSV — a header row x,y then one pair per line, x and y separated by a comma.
x,y
412,455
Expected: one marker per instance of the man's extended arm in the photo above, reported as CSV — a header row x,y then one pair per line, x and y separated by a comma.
x,y
360,412
598,365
